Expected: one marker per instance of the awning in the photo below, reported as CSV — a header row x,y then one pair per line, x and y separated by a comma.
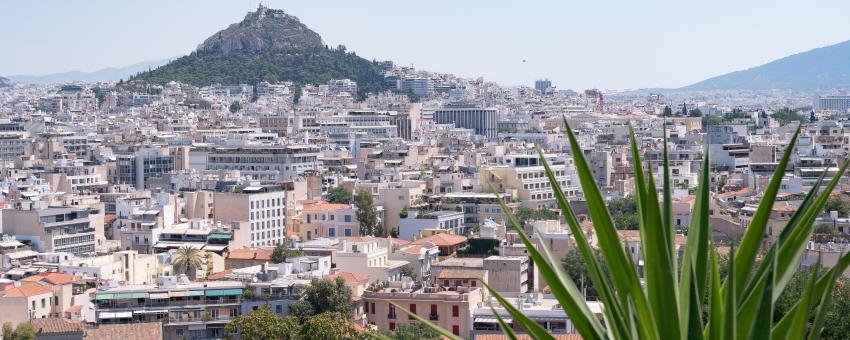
x,y
215,247
200,327
227,236
140,295
196,293
220,292
123,296
163,295
22,254
118,315
178,293
108,296
493,320
149,311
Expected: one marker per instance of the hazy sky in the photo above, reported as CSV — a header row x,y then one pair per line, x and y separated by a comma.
x,y
577,44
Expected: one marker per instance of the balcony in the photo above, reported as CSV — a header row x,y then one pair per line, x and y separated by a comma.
x,y
433,317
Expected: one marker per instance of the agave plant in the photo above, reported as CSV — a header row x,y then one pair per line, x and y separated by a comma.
x,y
687,301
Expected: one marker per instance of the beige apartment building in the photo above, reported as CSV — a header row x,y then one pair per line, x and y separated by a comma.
x,y
451,310
37,297
323,219
262,207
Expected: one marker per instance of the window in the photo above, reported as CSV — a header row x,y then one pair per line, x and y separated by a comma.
x,y
433,315
332,232
373,308
347,232
392,326
412,311
455,311
456,330
347,218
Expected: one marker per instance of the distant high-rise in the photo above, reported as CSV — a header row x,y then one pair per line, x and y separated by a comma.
x,y
483,121
542,85
832,103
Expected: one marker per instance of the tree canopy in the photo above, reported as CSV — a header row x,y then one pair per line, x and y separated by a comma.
x,y
367,214
624,213
524,214
340,195
837,203
282,252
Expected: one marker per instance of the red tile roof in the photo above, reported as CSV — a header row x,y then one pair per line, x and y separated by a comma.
x,y
349,277
27,290
260,254
56,326
443,240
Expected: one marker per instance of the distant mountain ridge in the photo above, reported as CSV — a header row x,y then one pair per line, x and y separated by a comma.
x,y
822,68
105,74
5,82
269,45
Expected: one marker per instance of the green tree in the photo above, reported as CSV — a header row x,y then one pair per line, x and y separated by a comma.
x,y
187,260
235,106
712,120
404,212
668,112
414,331
23,331
407,270
695,113
262,323
576,268
282,252
329,326
367,214
301,310
340,195
837,203
329,296
786,115
524,214
624,213
826,229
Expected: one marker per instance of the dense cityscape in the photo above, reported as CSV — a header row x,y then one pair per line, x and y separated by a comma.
x,y
333,197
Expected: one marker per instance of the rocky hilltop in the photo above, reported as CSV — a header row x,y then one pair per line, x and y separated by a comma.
x,y
264,29
5,82
269,45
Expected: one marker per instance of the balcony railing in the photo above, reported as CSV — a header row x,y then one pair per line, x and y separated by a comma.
x,y
124,305
433,317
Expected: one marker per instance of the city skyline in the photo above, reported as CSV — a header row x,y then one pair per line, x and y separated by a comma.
x,y
627,46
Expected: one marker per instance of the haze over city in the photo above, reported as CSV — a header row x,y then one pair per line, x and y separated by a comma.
x,y
582,44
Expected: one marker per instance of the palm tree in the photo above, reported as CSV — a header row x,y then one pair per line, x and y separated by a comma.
x,y
187,260
689,300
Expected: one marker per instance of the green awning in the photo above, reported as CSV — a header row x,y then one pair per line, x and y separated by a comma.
x,y
196,293
123,296
106,296
220,236
140,295
220,292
